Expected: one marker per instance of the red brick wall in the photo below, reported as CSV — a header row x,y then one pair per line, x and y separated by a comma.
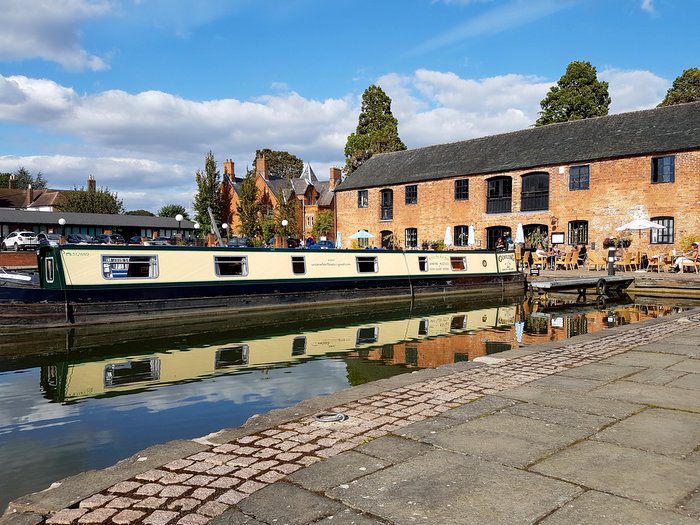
x,y
18,259
616,188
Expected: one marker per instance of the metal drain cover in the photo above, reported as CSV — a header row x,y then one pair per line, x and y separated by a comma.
x,y
330,417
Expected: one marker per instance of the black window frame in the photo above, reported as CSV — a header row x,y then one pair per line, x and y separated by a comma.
x,y
411,194
578,231
499,195
423,263
658,165
662,236
461,189
533,196
461,235
296,260
386,204
362,198
579,177
413,241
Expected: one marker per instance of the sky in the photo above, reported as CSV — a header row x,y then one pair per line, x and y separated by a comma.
x,y
136,92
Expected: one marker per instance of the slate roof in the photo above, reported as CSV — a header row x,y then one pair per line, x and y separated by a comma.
x,y
326,195
8,216
17,198
309,174
659,130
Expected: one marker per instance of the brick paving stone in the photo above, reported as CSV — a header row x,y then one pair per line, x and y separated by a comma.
x,y
121,503
287,468
247,472
66,516
246,451
270,476
271,432
123,487
287,456
224,483
265,453
266,442
174,491
220,459
151,503
127,516
212,508
242,462
178,464
250,486
226,448
221,470
173,479
264,465
201,456
160,517
192,519
198,467
230,498
202,493
309,447
97,516
247,439
183,504
149,489
98,500
308,460
286,445
151,475
200,480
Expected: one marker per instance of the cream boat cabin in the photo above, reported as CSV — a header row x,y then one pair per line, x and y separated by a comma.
x,y
107,282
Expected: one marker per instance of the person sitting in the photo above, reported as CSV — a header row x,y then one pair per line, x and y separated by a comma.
x,y
582,254
691,256
499,244
510,245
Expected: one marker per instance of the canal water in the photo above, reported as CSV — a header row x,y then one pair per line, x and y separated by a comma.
x,y
79,399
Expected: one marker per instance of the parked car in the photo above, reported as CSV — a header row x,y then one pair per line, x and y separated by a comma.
x,y
239,242
79,238
20,240
49,239
136,239
158,241
109,238
322,245
293,243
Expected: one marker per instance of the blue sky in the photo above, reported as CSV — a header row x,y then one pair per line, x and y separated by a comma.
x,y
136,92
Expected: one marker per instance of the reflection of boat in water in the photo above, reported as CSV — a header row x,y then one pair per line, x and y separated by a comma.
x,y
109,283
386,339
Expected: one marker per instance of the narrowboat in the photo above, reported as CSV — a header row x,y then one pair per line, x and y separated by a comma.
x,y
111,283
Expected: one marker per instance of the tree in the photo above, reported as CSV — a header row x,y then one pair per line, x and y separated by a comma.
x,y
323,224
24,179
281,163
172,210
248,206
141,213
208,193
287,209
578,95
377,130
686,88
93,201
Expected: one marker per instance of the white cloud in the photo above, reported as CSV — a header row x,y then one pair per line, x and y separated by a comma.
x,y
648,6
49,29
148,145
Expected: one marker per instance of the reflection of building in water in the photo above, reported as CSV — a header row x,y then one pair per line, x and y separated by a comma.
x,y
421,342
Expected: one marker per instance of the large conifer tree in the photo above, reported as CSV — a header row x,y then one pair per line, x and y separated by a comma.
x,y
377,130
578,95
208,193
686,88
248,207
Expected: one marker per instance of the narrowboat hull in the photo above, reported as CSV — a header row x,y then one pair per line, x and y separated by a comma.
x,y
80,286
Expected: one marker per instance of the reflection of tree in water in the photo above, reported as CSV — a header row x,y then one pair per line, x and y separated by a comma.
x,y
361,371
536,325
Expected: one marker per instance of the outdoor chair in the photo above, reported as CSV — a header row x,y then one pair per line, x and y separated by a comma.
x,y
656,262
625,262
595,261
694,265
538,261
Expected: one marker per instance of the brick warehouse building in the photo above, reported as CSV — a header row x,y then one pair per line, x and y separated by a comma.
x,y
582,178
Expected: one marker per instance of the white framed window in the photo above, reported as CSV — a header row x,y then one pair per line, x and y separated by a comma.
x,y
129,266
458,263
227,266
423,264
367,264
298,265
48,269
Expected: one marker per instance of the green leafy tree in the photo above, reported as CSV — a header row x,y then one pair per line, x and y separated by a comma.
x,y
24,179
172,210
268,223
141,213
323,224
208,193
686,88
578,95
287,209
281,163
88,201
377,130
248,207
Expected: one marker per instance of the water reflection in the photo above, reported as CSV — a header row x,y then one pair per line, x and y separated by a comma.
x,y
85,398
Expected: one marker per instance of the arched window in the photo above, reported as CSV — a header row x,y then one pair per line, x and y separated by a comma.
x,y
387,237
536,233
387,205
499,195
535,192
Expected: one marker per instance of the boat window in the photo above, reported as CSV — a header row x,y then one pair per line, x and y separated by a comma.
x,y
226,266
298,265
299,345
129,372
423,264
129,266
48,267
458,323
423,327
367,335
367,265
458,263
231,356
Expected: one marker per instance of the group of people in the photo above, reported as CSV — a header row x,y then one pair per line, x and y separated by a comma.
x,y
556,253
508,244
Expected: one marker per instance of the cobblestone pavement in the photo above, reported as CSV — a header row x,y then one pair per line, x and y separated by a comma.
x,y
218,481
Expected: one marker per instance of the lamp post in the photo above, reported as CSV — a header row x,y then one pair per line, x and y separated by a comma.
x,y
62,223
225,227
196,232
284,232
179,218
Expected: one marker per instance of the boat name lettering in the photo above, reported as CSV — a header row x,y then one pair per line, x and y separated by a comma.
x,y
77,254
439,263
331,263
117,260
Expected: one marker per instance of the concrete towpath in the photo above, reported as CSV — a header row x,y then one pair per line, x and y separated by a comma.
x,y
603,428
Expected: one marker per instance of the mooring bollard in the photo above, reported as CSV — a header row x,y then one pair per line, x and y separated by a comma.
x,y
611,260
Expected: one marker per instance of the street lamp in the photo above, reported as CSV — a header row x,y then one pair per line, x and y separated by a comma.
x,y
196,232
284,232
62,223
225,227
179,218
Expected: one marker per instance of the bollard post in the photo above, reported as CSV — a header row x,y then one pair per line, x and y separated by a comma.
x,y
611,260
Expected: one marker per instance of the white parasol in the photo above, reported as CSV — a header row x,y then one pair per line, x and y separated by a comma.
x,y
448,236
362,234
471,238
519,234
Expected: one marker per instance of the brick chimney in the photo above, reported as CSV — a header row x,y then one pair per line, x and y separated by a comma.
x,y
335,177
12,183
261,167
30,196
92,183
228,168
